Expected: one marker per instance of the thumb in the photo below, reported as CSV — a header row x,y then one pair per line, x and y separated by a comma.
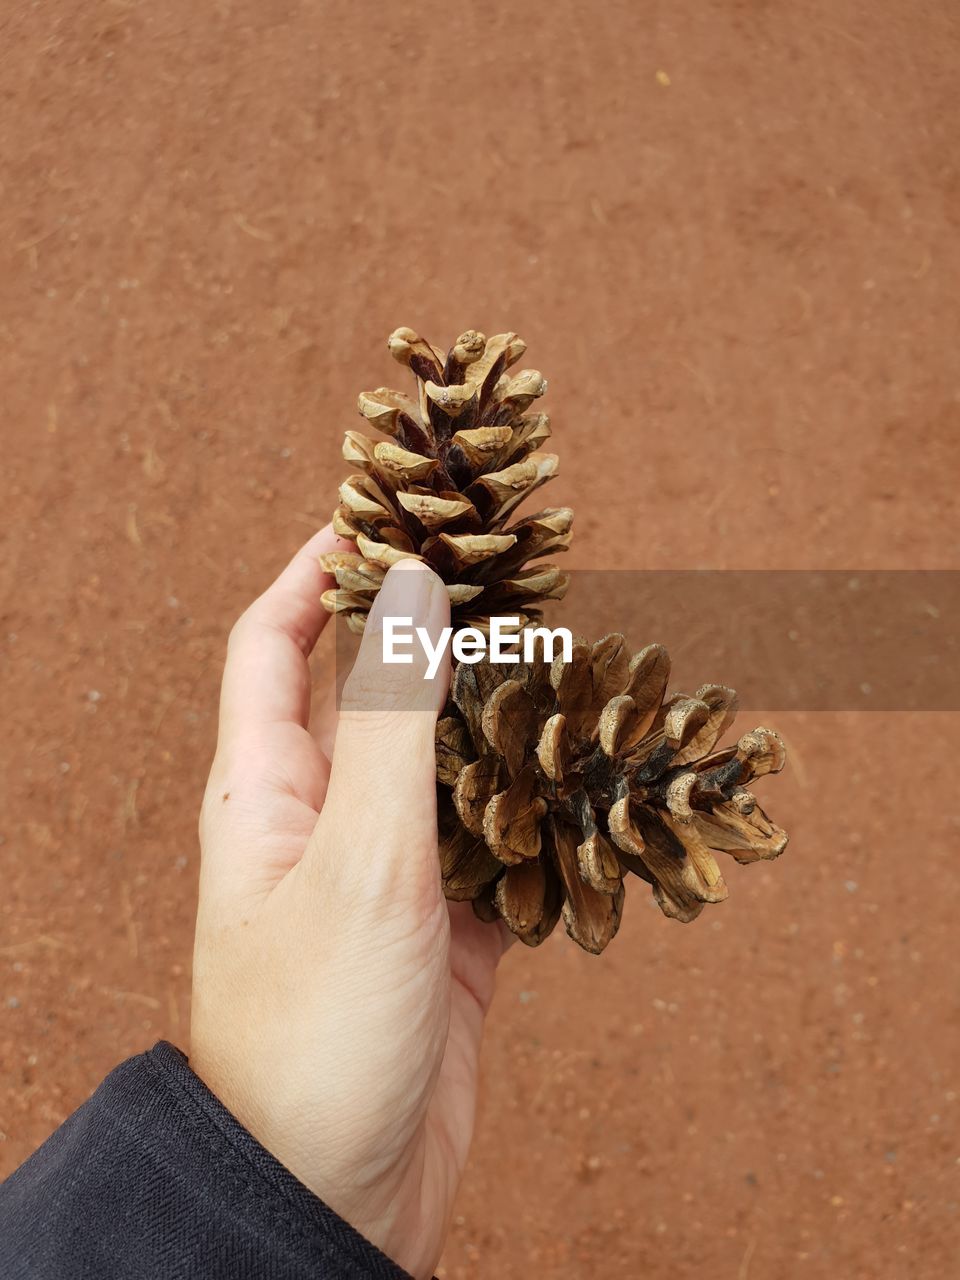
x,y
380,808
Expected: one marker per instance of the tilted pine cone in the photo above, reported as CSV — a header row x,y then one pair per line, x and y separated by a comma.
x,y
443,487
556,779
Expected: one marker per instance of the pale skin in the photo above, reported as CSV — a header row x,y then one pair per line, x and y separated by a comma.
x,y
338,999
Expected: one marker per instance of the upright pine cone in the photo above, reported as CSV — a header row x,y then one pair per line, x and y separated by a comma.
x,y
556,779
443,487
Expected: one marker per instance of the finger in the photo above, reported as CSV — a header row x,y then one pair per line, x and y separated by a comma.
x,y
266,678
332,661
323,713
381,800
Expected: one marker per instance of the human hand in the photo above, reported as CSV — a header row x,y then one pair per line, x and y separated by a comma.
x,y
338,999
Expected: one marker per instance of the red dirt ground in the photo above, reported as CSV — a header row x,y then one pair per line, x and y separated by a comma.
x,y
730,233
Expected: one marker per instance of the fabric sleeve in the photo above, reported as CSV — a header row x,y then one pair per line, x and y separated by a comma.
x,y
153,1179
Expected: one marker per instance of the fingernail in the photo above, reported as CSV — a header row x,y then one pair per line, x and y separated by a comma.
x,y
406,593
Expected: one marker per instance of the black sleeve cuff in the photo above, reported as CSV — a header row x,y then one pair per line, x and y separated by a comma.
x,y
153,1179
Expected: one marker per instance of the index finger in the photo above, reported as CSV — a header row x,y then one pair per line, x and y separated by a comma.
x,y
266,679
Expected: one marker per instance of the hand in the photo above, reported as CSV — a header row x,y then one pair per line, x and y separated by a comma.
x,y
338,1000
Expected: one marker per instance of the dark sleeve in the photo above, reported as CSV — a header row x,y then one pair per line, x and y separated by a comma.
x,y
153,1177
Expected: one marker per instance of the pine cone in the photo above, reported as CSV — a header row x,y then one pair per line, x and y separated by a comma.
x,y
556,779
443,487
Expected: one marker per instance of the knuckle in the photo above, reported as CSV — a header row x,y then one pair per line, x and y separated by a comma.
x,y
240,629
386,689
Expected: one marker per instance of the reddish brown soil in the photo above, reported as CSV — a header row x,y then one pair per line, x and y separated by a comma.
x,y
731,235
